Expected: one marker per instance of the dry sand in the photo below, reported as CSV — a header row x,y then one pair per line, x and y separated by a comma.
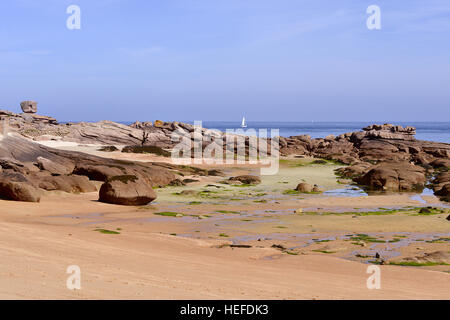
x,y
141,263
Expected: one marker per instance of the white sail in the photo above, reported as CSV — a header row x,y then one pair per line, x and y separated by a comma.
x,y
243,125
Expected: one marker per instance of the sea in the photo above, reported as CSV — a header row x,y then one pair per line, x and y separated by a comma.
x,y
430,131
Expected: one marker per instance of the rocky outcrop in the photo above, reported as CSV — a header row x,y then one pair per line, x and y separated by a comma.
x,y
142,125
126,190
38,166
375,143
300,145
28,106
42,128
359,150
398,176
28,123
389,131
154,173
382,157
157,133
112,133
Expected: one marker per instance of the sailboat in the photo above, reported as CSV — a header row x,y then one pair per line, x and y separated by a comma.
x,y
243,125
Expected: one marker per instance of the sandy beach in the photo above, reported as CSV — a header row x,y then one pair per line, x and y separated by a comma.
x,y
150,254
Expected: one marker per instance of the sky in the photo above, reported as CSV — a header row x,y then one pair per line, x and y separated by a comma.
x,y
185,60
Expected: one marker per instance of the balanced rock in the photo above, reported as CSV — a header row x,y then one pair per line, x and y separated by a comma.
x,y
28,106
126,190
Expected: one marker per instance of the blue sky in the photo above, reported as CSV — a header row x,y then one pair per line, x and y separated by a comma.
x,y
285,60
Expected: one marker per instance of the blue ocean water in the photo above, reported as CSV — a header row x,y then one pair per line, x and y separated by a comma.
x,y
431,131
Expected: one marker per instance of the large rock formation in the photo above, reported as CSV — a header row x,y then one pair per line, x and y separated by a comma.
x,y
28,106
